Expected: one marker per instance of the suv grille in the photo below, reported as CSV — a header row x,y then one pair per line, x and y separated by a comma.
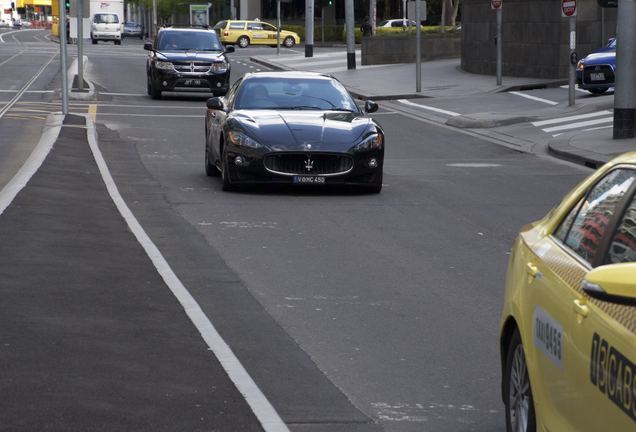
x,y
606,71
192,67
305,163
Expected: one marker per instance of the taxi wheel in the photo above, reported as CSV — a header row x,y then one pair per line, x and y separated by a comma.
x,y
243,41
289,42
520,416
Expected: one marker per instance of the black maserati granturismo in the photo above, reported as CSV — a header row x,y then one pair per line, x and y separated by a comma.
x,y
297,128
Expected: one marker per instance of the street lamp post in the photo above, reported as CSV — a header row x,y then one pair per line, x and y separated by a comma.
x,y
62,32
351,36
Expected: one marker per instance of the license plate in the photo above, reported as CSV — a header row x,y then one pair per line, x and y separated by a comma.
x,y
192,82
308,180
597,76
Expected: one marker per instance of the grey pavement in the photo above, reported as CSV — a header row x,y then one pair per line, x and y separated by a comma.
x,y
446,79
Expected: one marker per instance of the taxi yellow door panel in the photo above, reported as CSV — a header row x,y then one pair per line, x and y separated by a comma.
x,y
256,33
270,32
547,302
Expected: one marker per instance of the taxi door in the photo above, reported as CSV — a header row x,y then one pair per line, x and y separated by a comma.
x,y
257,35
270,32
604,334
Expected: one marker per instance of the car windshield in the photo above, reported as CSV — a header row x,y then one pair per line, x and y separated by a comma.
x,y
106,19
294,94
189,40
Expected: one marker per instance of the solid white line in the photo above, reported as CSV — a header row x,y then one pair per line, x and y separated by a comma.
x,y
122,94
150,115
34,161
579,124
534,98
11,58
450,113
578,89
262,408
597,128
566,119
28,91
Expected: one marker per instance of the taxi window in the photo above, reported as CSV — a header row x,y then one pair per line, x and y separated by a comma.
x,y
269,27
623,245
255,26
588,228
237,26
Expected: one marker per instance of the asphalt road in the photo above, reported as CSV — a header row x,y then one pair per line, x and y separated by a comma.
x,y
351,312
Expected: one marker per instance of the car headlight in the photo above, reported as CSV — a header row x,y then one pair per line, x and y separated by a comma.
x,y
580,65
219,67
242,140
163,65
372,142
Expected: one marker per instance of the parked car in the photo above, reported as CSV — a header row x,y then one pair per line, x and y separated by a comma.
x,y
132,28
191,58
397,23
106,27
16,23
596,72
295,128
568,328
4,23
244,33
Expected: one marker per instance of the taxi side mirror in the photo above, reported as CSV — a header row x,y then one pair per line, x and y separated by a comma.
x,y
615,283
215,103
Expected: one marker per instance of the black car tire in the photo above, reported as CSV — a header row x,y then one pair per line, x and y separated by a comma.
x,y
210,168
94,41
375,187
226,183
148,88
155,93
289,42
598,90
516,365
243,42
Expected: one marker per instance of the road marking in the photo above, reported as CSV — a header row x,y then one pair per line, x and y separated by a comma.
x,y
597,128
152,115
438,110
122,94
579,124
473,165
566,119
29,91
33,163
580,89
92,111
11,58
15,98
261,407
534,98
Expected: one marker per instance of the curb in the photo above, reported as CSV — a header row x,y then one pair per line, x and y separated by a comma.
x,y
563,149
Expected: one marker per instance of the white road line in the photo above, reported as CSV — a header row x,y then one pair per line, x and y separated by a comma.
x,y
438,110
122,94
261,407
33,163
570,118
534,98
580,89
11,58
15,98
28,91
100,114
597,128
579,124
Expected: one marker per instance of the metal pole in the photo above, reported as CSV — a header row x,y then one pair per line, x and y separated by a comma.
x,y
309,28
277,27
418,48
499,45
154,18
351,36
322,24
63,72
625,91
232,12
80,45
603,40
572,71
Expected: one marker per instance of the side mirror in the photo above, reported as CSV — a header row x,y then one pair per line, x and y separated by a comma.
x,y
215,103
370,107
229,49
148,46
614,283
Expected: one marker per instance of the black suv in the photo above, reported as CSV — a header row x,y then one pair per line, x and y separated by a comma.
x,y
191,58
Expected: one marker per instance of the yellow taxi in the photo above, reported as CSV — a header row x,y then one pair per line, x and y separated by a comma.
x,y
243,33
568,328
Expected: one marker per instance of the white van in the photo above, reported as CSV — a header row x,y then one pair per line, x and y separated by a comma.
x,y
106,27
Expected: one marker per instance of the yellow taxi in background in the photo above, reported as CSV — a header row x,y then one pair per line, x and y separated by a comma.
x,y
243,33
568,329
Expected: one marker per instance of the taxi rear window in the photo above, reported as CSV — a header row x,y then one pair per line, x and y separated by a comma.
x,y
220,25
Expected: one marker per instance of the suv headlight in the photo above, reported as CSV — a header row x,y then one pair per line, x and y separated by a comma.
x,y
163,65
242,140
372,142
219,67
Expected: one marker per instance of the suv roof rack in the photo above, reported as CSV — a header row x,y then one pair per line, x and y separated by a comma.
x,y
204,26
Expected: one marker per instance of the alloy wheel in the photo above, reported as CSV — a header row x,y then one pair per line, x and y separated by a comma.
x,y
519,396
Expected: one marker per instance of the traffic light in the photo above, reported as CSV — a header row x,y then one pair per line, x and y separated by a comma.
x,y
330,3
68,5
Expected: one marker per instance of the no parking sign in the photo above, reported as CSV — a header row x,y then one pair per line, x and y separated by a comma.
x,y
568,8
495,4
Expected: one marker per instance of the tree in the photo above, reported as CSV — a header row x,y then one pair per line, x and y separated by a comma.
x,y
450,9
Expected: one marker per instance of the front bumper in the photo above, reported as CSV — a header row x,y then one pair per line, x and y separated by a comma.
x,y
596,76
170,80
106,35
252,169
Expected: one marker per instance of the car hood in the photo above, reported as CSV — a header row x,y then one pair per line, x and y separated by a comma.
x,y
186,56
303,130
607,57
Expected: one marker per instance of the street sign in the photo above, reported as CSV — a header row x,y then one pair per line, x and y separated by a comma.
x,y
568,8
496,4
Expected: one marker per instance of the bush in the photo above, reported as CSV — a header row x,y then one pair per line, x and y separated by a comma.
x,y
337,33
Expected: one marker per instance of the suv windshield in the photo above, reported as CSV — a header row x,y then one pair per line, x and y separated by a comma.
x,y
106,19
189,40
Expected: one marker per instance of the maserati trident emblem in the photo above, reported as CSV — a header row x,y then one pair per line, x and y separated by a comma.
x,y
192,67
309,164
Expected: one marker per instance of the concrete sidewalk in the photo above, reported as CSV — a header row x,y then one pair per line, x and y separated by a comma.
x,y
446,79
